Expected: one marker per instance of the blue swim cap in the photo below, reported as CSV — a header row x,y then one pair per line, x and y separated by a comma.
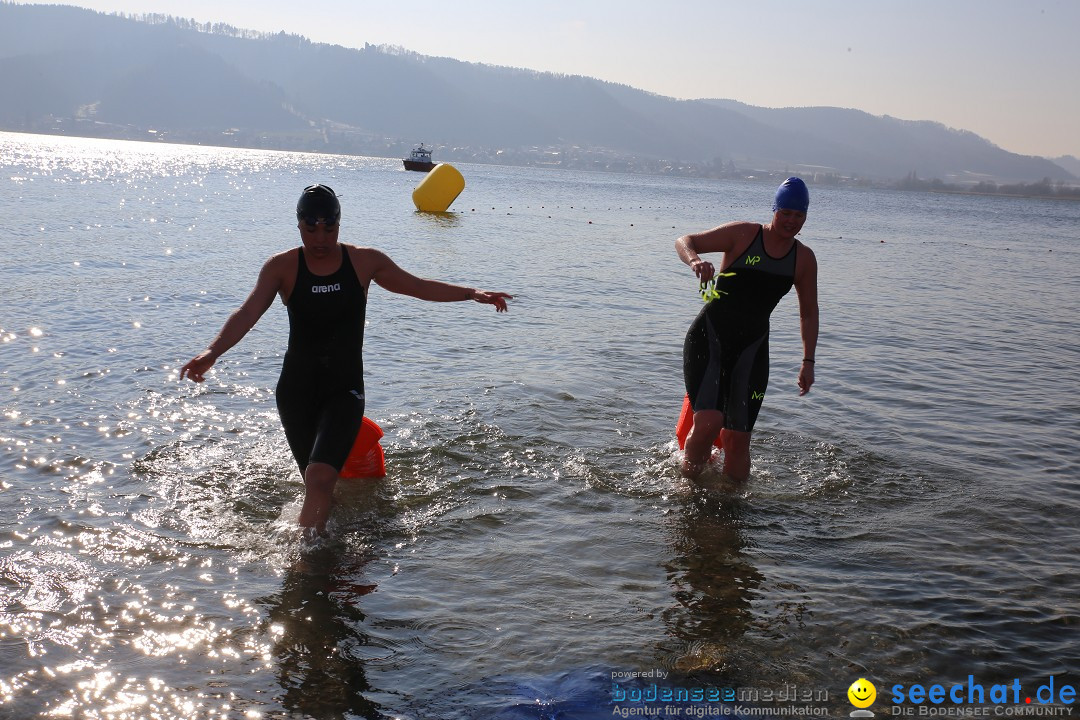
x,y
792,195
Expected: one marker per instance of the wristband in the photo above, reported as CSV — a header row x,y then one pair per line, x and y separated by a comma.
x,y
807,360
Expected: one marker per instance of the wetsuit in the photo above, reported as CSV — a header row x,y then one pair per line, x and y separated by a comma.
x,y
320,394
726,352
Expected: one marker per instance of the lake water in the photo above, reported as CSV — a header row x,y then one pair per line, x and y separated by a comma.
x,y
910,521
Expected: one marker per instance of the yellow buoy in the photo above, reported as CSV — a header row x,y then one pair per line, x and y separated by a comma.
x,y
438,189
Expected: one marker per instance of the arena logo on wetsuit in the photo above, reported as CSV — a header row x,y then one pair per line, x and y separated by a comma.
x,y
326,288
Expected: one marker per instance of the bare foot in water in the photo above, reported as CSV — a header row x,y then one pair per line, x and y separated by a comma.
x,y
691,470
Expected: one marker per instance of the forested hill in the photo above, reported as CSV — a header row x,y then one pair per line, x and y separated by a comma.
x,y
64,69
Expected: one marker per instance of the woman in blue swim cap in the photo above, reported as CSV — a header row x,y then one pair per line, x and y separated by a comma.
x,y
726,351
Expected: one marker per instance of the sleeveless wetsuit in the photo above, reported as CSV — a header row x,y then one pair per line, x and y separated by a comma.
x,y
320,394
726,352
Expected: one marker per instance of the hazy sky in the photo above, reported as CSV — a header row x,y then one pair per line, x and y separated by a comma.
x,y
1005,69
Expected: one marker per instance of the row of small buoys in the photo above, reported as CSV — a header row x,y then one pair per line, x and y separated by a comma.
x,y
442,185
589,222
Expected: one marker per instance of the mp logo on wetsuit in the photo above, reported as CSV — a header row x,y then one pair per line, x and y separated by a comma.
x,y
316,289
753,260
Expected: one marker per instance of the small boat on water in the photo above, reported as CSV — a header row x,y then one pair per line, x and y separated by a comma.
x,y
419,159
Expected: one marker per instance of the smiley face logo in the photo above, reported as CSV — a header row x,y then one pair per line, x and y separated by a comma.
x,y
862,693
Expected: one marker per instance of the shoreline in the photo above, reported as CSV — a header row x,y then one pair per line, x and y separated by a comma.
x,y
613,164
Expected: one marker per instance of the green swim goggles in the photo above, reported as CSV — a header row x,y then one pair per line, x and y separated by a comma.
x,y
708,289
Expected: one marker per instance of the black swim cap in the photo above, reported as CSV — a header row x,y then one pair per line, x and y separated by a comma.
x,y
318,202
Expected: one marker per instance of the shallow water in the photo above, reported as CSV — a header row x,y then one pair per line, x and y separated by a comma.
x,y
911,520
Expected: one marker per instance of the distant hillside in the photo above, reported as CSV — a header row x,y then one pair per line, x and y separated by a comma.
x,y
1070,163
70,70
885,146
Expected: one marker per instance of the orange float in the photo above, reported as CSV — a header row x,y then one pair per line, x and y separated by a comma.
x,y
366,459
686,421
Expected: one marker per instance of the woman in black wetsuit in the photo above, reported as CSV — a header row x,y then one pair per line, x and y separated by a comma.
x,y
726,352
320,393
